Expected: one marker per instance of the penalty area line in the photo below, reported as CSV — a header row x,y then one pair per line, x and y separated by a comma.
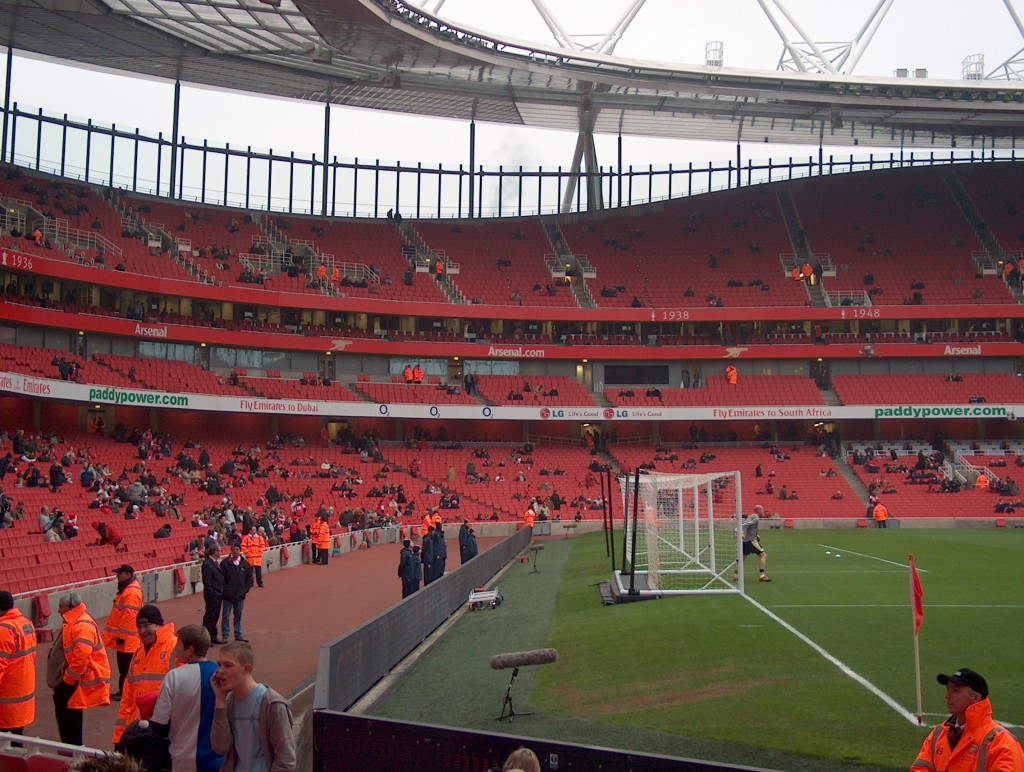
x,y
841,666
873,557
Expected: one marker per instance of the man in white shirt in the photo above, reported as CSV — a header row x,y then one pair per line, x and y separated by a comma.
x,y
184,709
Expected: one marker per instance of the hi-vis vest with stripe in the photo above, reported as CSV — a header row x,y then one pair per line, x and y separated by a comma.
x,y
17,670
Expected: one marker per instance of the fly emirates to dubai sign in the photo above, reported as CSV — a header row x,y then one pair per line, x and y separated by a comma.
x,y
45,388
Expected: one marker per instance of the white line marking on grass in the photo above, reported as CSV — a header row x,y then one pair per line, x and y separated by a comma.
x,y
834,570
845,669
894,605
873,557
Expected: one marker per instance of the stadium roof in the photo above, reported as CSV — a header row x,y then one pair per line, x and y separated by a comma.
x,y
386,55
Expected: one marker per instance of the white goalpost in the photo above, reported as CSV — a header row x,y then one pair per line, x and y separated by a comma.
x,y
682,534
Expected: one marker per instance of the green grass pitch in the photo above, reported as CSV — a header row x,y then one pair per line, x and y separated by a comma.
x,y
817,673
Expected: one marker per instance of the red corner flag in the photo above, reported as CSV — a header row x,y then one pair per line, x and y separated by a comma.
x,y
916,594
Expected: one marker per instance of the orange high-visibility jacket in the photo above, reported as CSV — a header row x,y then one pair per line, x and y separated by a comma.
x,y
253,547
145,675
984,746
880,512
529,516
17,671
320,534
88,666
120,633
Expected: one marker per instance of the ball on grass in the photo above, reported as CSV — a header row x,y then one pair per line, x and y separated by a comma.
x,y
828,552
838,555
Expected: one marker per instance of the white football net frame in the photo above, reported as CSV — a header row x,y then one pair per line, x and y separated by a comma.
x,y
688,534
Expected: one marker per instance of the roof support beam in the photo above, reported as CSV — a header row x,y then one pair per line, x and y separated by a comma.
x,y
806,55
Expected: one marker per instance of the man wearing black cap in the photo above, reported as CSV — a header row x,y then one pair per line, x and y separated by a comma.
x,y
150,663
969,739
464,555
120,635
406,572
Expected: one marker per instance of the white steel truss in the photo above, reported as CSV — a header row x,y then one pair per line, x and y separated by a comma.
x,y
807,55
1012,68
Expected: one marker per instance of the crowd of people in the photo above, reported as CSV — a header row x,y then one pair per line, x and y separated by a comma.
x,y
176,708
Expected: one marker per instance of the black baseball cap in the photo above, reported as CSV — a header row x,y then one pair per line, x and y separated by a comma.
x,y
124,569
965,677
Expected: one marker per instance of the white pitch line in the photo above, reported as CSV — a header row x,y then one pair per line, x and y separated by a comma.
x,y
872,557
845,669
896,605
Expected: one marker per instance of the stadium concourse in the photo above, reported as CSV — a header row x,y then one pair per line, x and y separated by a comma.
x,y
299,610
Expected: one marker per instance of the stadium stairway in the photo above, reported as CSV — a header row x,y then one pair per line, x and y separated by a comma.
x,y
852,479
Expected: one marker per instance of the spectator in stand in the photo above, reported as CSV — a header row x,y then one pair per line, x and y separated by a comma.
x,y
108,534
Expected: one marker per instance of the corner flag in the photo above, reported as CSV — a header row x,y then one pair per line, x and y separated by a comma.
x,y
916,596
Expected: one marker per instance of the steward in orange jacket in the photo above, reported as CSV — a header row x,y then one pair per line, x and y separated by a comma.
x,y
417,374
880,514
320,535
17,667
152,660
120,634
88,668
253,547
407,374
969,740
529,516
732,375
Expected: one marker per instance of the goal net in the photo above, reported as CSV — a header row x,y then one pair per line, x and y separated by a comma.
x,y
682,533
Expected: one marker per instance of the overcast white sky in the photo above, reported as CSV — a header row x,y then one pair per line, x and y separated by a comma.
x,y
933,34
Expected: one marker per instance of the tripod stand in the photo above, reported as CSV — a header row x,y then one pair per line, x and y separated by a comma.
x,y
508,711
535,549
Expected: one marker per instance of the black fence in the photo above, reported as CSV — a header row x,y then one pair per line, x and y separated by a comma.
x,y
342,741
349,666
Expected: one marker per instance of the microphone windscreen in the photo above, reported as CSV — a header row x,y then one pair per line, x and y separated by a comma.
x,y
523,658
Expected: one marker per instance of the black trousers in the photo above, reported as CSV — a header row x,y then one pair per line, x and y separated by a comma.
x,y
69,720
211,617
259,574
124,661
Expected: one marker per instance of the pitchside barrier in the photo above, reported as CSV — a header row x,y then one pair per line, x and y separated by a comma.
x,y
360,743
350,665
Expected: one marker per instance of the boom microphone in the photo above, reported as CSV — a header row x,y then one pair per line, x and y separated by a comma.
x,y
523,658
